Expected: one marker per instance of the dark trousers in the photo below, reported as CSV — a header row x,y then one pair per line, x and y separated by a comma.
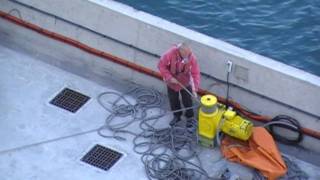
x,y
175,103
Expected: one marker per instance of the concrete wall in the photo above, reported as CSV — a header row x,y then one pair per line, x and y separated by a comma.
x,y
261,84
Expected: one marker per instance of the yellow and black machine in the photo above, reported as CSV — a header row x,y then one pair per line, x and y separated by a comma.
x,y
215,117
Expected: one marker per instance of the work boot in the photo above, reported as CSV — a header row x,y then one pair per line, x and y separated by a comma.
x,y
175,120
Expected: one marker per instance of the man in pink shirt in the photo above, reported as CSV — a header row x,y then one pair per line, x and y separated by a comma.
x,y
178,66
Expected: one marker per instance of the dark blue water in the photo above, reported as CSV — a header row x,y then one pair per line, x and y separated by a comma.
x,y
287,31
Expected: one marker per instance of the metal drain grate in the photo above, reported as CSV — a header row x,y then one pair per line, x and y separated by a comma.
x,y
101,157
70,100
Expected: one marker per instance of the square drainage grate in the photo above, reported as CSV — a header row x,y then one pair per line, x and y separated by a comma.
x,y
70,100
101,157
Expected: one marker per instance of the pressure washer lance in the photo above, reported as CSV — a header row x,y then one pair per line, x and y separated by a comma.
x,y
190,93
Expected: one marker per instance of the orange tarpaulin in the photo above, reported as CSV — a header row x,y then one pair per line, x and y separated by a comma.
x,y
259,152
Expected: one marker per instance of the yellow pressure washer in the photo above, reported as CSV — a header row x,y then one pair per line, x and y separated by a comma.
x,y
214,116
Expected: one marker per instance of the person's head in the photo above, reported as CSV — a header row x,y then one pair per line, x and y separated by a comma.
x,y
184,50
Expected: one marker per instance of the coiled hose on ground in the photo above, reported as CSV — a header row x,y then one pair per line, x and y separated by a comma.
x,y
168,152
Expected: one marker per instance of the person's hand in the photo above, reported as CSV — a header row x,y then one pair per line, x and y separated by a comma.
x,y
173,80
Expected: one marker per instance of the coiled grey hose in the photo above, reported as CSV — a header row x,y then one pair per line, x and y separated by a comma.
x,y
167,153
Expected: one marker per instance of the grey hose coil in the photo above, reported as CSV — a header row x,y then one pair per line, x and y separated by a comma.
x,y
167,153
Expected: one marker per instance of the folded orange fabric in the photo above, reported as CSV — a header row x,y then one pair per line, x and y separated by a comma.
x,y
259,152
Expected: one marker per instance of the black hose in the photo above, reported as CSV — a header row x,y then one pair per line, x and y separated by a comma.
x,y
285,122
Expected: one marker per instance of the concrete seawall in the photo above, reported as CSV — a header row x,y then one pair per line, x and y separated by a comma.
x,y
259,83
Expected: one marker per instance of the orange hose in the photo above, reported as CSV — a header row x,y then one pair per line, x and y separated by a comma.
x,y
136,67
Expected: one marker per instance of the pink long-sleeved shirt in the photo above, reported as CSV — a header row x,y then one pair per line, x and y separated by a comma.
x,y
172,65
